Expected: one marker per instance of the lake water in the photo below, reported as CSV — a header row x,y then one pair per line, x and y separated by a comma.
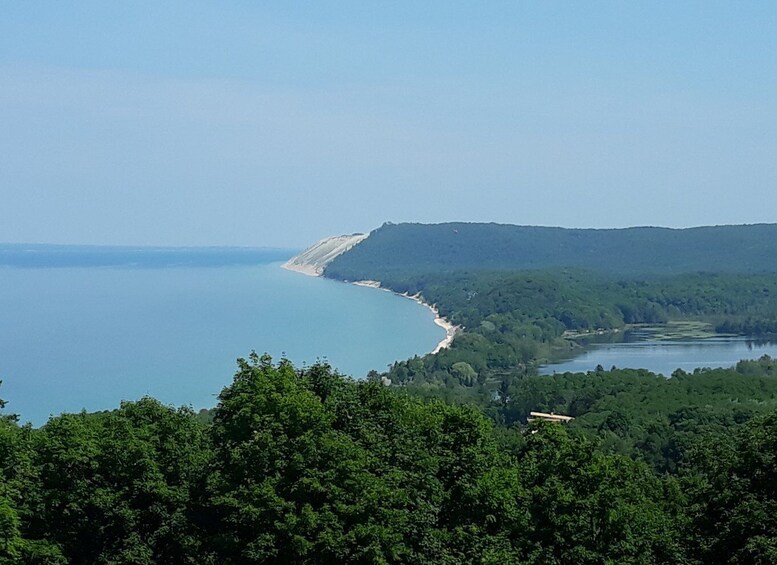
x,y
88,337
666,356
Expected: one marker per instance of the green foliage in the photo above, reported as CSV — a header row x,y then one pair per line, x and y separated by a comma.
x,y
521,293
116,487
515,320
632,251
723,498
733,485
588,506
647,416
311,467
10,538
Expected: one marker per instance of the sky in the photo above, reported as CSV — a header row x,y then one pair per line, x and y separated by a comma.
x,y
279,123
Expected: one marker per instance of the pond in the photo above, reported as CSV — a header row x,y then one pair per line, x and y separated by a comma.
x,y
665,356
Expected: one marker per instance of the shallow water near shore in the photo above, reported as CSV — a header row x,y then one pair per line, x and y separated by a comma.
x,y
89,337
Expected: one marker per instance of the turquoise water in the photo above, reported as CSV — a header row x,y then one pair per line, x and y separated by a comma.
x,y
666,356
89,337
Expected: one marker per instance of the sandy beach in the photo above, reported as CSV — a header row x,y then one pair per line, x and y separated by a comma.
x,y
450,329
308,270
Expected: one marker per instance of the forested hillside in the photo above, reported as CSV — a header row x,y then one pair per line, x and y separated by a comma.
x,y
514,319
633,251
306,466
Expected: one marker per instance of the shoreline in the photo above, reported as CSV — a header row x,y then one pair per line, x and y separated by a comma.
x,y
308,270
450,329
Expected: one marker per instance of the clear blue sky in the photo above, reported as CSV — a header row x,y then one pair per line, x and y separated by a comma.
x,y
235,123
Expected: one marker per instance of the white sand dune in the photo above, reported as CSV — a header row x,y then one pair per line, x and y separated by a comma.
x,y
312,261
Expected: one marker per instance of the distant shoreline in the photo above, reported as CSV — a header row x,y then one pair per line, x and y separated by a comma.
x,y
450,329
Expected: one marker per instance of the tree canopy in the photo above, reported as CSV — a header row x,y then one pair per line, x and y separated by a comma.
x,y
308,466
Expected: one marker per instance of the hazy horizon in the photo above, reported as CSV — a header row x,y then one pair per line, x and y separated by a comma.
x,y
312,242
195,124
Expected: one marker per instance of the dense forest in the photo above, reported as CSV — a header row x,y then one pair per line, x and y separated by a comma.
x,y
307,466
630,251
513,321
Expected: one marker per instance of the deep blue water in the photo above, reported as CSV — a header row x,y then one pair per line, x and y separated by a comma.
x,y
666,356
75,338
